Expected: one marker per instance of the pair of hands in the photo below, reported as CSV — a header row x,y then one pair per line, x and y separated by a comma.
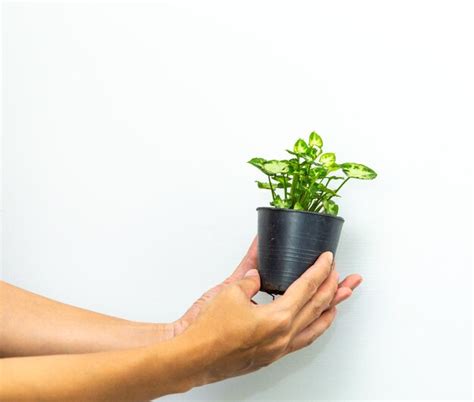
x,y
223,334
245,336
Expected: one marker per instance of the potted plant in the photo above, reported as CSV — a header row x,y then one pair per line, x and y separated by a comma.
x,y
302,222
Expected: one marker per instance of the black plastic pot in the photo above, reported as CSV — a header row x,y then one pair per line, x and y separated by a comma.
x,y
290,241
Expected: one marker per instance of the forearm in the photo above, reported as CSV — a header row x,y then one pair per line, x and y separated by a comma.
x,y
137,374
34,325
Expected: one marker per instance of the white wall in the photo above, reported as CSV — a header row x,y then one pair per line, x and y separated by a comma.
x,y
127,129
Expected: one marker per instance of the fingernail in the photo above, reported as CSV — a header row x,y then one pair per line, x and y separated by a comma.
x,y
251,272
330,257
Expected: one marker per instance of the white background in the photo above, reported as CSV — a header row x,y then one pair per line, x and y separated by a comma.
x,y
125,189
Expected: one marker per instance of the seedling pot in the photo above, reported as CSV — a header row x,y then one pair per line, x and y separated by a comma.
x,y
290,241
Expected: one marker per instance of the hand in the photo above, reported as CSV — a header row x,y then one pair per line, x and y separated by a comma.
x,y
226,336
242,337
249,262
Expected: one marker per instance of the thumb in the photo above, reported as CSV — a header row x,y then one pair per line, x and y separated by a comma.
x,y
250,283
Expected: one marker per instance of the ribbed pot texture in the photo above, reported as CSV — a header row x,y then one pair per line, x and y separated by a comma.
x,y
290,241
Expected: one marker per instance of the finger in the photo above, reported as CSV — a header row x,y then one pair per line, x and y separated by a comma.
x,y
341,295
317,304
248,262
303,289
250,283
313,331
352,281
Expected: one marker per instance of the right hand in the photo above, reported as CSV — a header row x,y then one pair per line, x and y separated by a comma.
x,y
244,337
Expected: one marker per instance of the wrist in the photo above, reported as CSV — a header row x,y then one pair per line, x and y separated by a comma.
x,y
171,367
146,334
191,357
200,350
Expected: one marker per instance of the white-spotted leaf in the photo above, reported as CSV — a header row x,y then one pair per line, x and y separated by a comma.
x,y
330,207
298,206
358,171
275,167
264,185
315,140
300,146
257,162
328,159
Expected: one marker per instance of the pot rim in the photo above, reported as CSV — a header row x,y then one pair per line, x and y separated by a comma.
x,y
303,212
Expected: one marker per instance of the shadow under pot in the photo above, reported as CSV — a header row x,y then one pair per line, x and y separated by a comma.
x,y
290,241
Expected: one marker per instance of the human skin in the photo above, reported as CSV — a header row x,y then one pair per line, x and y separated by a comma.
x,y
201,347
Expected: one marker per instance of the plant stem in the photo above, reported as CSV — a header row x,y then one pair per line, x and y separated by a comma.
x,y
271,187
335,191
308,190
320,198
344,182
284,186
319,208
312,205
303,195
294,185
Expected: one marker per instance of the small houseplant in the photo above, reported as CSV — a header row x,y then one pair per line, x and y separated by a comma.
x,y
302,222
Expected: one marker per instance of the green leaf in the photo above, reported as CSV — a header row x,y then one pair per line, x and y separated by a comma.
x,y
293,166
275,167
263,185
315,140
300,147
333,167
330,207
279,203
298,207
318,172
257,162
358,171
318,187
310,155
328,159
282,182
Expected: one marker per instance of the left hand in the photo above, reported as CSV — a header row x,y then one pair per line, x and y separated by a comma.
x,y
249,261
